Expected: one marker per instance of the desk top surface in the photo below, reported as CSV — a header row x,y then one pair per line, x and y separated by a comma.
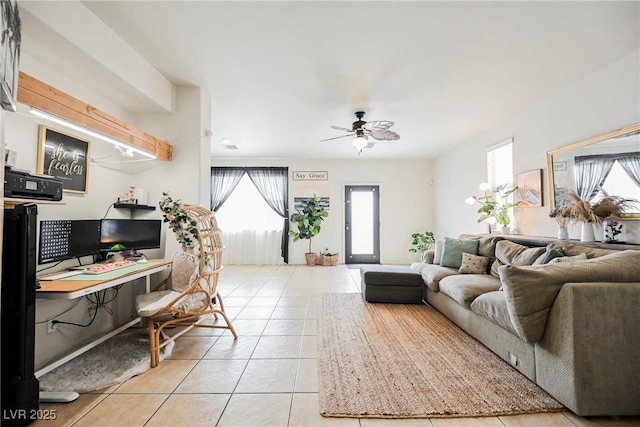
x,y
84,281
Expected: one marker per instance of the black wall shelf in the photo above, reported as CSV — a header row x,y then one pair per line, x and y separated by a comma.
x,y
133,206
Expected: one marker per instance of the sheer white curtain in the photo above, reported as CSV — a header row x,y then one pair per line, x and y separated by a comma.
x,y
250,230
252,247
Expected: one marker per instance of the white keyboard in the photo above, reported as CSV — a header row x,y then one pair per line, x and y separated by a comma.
x,y
61,275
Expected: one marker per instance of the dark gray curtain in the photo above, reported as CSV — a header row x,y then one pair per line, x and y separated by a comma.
x,y
590,173
273,185
223,181
630,162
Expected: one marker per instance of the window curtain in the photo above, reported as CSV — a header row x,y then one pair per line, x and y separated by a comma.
x,y
223,182
273,185
590,173
630,162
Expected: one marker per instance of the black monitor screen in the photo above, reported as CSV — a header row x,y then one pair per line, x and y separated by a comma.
x,y
67,239
129,234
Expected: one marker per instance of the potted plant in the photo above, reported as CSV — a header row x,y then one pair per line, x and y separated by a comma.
x,y
422,242
495,204
308,219
577,209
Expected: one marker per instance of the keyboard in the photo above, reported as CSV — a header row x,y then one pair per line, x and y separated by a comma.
x,y
61,275
107,267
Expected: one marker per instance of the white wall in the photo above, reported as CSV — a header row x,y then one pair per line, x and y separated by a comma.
x,y
405,194
105,185
606,100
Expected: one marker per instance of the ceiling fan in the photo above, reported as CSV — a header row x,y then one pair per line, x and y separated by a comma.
x,y
378,130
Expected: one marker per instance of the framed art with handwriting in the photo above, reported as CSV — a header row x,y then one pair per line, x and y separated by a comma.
x,y
64,157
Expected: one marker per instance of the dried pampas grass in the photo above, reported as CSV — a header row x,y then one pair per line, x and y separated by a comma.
x,y
580,210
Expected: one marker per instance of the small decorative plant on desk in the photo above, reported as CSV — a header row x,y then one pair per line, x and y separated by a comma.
x,y
308,219
182,226
422,242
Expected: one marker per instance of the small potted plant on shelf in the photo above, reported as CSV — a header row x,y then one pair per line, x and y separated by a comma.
x,y
308,219
422,242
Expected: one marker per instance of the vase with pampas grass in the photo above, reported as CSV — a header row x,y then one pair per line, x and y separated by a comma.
x,y
589,213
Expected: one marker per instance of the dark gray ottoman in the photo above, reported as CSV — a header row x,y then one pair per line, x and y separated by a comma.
x,y
382,283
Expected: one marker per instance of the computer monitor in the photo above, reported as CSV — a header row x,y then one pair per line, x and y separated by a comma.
x,y
129,234
67,239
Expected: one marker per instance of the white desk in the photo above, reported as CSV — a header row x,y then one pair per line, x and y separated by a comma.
x,y
85,284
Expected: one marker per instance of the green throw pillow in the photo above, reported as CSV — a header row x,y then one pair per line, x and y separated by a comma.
x,y
452,250
548,256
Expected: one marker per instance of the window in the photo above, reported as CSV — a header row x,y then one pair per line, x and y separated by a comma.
x,y
500,163
245,209
500,167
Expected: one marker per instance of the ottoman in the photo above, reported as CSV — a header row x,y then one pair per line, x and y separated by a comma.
x,y
382,283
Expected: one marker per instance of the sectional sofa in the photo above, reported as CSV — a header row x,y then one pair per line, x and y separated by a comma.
x,y
571,325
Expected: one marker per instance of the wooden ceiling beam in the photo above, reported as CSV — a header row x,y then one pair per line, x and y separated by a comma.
x,y
36,94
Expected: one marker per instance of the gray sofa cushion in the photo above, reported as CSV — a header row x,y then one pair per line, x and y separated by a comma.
x,y
432,274
486,244
465,288
531,290
493,306
509,253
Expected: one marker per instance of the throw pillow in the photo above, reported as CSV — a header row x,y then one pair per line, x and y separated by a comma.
x,y
574,258
452,250
515,254
548,256
473,264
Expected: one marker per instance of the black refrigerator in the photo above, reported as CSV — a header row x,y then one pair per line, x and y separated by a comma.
x,y
19,385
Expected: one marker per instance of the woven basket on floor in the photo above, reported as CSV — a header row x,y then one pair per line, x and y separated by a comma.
x,y
328,260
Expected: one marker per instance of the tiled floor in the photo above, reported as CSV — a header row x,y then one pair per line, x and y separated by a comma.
x,y
267,377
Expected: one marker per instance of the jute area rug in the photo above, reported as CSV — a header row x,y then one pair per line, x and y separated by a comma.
x,y
409,361
112,362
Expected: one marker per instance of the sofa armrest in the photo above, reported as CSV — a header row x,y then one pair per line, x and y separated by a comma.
x,y
589,356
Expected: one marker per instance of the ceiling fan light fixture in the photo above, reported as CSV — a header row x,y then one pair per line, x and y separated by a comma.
x,y
359,143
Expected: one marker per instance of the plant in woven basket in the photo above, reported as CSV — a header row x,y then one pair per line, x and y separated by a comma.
x,y
308,219
180,223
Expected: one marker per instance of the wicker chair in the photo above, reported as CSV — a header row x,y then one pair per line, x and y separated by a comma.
x,y
192,288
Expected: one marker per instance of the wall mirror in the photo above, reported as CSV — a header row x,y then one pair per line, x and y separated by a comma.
x,y
605,163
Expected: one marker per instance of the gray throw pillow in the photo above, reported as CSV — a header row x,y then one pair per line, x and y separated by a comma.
x,y
548,256
452,250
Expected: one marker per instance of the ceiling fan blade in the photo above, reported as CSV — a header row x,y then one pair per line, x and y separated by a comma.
x,y
377,124
341,128
336,137
383,135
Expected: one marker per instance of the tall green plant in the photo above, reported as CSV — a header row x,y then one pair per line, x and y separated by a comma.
x,y
495,203
308,219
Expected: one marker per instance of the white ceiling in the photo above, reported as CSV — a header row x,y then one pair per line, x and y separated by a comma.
x,y
279,73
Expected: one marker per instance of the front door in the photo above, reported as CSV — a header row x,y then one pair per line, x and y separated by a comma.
x,y
362,224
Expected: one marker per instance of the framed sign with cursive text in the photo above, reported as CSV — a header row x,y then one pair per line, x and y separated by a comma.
x,y
64,157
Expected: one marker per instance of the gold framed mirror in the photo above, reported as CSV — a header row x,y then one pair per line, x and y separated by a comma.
x,y
608,162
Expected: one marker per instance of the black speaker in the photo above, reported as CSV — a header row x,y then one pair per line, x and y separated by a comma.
x,y
20,395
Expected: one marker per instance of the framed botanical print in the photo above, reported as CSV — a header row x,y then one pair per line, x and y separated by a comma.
x,y
64,157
